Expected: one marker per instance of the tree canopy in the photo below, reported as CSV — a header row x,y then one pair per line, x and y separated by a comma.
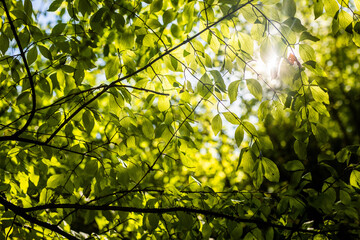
x,y
180,119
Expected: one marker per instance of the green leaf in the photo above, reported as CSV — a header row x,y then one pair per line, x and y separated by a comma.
x,y
233,90
289,8
79,75
219,81
46,85
58,29
163,103
56,180
231,118
295,24
294,165
84,7
345,197
112,67
264,110
246,43
156,6
258,174
355,178
239,135
345,19
254,88
321,133
249,128
307,53
148,129
308,36
343,155
205,86
149,40
357,4
153,23
55,5
168,16
318,8
45,52
31,55
258,31
271,170
4,43
300,149
331,7
88,121
216,124
150,221
319,95
23,181
247,162
28,8
175,30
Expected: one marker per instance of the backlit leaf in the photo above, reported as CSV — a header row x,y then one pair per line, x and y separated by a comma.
x,y
254,88
216,124
289,8
163,103
307,53
112,67
319,94
239,135
271,170
331,7
355,178
233,90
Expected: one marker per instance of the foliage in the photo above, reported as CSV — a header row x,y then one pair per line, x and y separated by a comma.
x,y
180,119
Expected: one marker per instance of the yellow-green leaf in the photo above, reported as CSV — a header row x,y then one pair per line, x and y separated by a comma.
x,y
163,103
271,170
112,67
247,162
231,118
307,53
331,7
289,7
254,88
56,180
355,178
357,4
239,135
156,6
216,124
233,90
147,129
345,19
319,95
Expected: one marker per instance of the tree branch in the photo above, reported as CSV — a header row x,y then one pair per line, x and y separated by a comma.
x,y
28,72
261,223
20,212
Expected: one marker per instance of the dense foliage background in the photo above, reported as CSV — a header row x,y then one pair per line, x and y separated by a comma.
x,y
179,119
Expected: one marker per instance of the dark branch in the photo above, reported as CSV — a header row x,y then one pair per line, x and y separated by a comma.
x,y
28,72
20,212
261,223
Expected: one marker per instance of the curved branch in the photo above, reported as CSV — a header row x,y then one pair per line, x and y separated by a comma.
x,y
261,223
28,72
20,212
